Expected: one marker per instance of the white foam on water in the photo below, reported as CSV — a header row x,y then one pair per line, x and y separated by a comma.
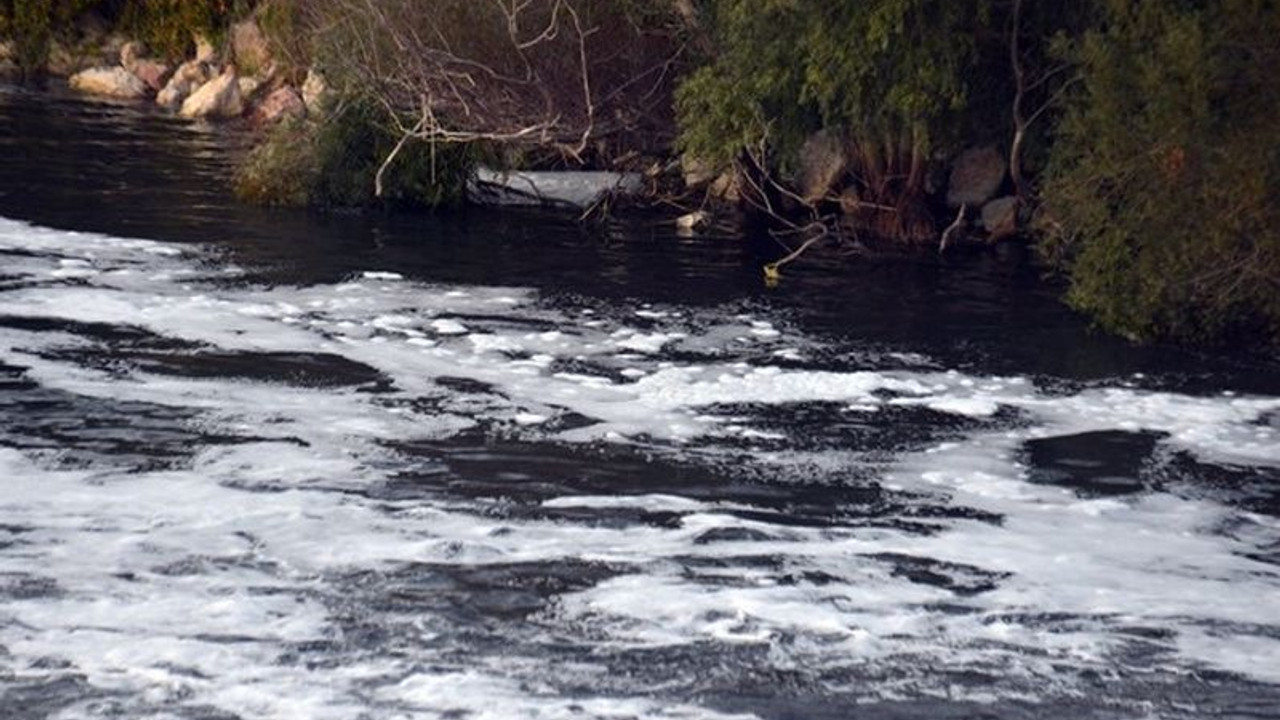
x,y
193,585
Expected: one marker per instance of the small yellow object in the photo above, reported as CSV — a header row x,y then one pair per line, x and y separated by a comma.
x,y
772,275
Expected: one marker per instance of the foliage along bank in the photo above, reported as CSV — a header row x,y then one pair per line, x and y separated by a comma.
x,y
1135,139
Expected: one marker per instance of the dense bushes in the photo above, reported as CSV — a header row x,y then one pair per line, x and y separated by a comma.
x,y
887,74
332,162
1166,171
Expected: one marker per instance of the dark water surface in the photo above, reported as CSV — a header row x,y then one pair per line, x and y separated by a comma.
x,y
276,464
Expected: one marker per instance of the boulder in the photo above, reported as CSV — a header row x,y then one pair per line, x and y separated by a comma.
x,y
110,82
824,158
189,76
976,176
218,98
1000,217
283,102
249,47
314,91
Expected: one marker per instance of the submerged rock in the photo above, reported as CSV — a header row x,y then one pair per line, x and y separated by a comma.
x,y
218,98
110,82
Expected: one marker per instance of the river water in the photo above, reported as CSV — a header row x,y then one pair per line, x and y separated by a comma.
x,y
267,464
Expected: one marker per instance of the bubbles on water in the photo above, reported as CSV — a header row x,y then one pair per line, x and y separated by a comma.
x,y
407,500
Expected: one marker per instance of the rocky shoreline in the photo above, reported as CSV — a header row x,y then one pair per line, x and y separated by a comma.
x,y
241,79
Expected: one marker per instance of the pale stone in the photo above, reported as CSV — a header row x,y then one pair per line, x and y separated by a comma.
x,y
189,76
111,82
218,98
249,86
975,177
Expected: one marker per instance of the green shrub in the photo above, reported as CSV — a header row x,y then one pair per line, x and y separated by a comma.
x,y
890,74
332,163
1164,175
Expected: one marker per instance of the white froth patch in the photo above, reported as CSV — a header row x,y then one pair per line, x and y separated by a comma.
x,y
265,525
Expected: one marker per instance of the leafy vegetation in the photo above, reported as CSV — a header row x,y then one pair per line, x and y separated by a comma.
x,y
888,74
1166,168
332,163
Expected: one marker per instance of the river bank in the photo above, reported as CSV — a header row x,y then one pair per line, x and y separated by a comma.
x,y
697,108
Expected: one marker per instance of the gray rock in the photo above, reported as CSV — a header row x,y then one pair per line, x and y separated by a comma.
x,y
218,98
283,102
824,159
1000,217
109,82
976,176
